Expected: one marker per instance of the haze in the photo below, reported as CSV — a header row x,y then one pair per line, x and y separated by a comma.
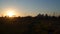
x,y
30,7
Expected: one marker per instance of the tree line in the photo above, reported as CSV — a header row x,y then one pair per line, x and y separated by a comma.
x,y
40,24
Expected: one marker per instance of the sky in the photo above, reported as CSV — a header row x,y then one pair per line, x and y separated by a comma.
x,y
31,7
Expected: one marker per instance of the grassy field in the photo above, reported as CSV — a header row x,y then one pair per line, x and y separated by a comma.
x,y
30,25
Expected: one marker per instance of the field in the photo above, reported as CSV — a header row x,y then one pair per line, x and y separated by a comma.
x,y
30,25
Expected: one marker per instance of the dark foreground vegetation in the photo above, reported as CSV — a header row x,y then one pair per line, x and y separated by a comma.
x,y
39,24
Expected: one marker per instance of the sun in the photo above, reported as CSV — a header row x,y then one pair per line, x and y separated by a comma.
x,y
10,13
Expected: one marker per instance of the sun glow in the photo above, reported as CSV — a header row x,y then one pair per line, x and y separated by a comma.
x,y
10,13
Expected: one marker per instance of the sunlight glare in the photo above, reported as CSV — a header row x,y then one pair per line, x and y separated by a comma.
x,y
10,13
